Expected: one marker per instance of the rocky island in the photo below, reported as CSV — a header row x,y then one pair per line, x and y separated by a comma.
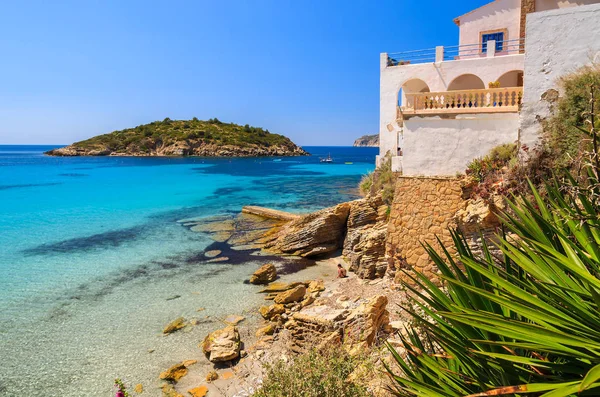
x,y
367,140
211,138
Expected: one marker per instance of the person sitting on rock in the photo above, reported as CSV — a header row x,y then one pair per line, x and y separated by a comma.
x,y
341,271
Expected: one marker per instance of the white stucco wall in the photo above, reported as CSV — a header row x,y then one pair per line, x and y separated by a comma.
x,y
436,146
500,14
545,5
438,77
558,42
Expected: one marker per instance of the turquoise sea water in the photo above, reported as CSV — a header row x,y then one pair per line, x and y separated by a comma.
x,y
88,245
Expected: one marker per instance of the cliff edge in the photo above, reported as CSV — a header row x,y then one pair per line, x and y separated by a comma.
x,y
367,140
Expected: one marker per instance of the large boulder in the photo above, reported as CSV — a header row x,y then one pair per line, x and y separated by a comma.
x,y
264,275
222,345
293,295
314,234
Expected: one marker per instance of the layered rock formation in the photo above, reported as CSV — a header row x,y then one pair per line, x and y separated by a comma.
x,y
364,245
314,234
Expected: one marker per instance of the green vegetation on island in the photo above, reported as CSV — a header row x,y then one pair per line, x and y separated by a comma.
x,y
185,138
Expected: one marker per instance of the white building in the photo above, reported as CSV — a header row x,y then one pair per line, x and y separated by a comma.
x,y
442,107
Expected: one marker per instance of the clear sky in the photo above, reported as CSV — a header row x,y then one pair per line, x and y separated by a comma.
x,y
308,69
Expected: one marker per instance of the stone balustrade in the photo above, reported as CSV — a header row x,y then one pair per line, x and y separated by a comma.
x,y
492,100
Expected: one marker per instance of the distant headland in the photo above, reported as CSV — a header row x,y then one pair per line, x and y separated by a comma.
x,y
367,140
211,138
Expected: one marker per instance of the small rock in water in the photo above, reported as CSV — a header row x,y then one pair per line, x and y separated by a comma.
x,y
174,373
174,325
233,319
220,259
279,287
199,391
212,253
173,297
264,275
222,345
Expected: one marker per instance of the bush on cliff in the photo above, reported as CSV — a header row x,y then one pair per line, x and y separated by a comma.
x,y
565,145
563,131
381,181
313,374
528,325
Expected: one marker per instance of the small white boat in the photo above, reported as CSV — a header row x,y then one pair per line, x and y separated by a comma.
x,y
327,159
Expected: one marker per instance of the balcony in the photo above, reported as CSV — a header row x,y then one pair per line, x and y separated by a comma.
x,y
492,100
457,52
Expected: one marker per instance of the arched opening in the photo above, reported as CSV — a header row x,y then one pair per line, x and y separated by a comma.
x,y
410,87
514,78
466,82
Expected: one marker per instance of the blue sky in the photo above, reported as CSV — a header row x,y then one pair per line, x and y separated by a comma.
x,y
308,69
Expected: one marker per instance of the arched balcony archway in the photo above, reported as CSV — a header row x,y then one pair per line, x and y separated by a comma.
x,y
411,86
514,78
466,82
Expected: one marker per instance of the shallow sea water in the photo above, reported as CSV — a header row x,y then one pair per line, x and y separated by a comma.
x,y
91,255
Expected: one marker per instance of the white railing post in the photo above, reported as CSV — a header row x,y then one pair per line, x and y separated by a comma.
x,y
491,48
383,60
439,54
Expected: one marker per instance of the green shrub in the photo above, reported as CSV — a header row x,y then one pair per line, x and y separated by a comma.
x,y
381,181
528,325
366,183
313,374
562,131
498,158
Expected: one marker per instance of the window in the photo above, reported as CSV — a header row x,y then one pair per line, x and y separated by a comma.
x,y
498,36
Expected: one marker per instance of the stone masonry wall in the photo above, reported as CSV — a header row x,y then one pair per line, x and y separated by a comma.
x,y
423,209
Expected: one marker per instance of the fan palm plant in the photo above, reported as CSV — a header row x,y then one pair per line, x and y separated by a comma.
x,y
525,325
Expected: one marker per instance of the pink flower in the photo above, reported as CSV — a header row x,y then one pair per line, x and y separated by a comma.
x,y
120,394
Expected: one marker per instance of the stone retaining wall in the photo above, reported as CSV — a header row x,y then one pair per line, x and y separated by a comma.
x,y
423,209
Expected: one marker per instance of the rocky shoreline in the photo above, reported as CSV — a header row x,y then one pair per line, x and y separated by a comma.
x,y
298,314
183,149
